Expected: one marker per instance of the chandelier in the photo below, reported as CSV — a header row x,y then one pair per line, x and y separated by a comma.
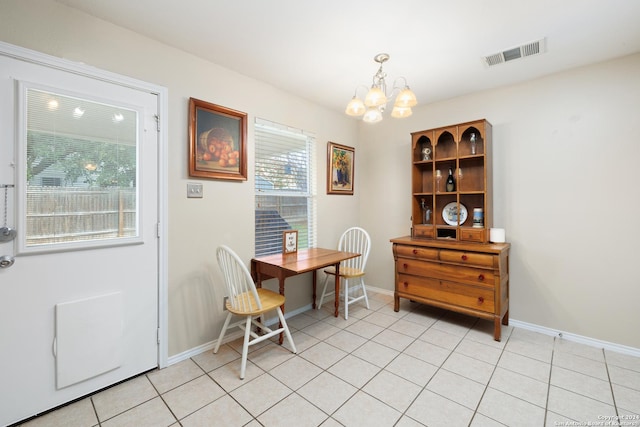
x,y
377,98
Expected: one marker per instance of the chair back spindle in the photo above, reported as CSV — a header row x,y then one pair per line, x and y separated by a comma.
x,y
242,291
357,240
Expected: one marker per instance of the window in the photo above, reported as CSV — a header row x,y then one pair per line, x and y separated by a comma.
x,y
285,186
80,167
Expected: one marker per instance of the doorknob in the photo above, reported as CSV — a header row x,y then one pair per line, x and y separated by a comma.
x,y
6,261
7,234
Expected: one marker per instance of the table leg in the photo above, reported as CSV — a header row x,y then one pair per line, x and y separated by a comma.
x,y
255,274
257,279
337,294
281,289
314,288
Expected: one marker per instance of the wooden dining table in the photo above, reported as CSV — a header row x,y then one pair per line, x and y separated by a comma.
x,y
281,266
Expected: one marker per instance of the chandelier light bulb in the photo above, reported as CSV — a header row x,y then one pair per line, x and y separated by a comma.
x,y
373,115
401,112
355,107
406,98
375,97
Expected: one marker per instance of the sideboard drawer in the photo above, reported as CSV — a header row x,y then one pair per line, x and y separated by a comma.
x,y
472,234
423,231
473,297
475,276
417,252
470,258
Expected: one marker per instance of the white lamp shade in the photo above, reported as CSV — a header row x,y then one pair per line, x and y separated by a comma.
x,y
373,115
355,107
375,97
406,98
401,112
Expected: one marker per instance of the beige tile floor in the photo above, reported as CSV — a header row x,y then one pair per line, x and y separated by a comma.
x,y
418,367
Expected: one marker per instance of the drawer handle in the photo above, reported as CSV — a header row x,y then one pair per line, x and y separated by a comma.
x,y
464,257
480,300
415,252
405,266
406,284
481,277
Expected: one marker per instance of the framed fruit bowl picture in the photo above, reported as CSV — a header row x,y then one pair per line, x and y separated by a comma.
x,y
217,142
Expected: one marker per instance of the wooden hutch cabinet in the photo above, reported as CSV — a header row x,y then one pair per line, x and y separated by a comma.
x,y
447,261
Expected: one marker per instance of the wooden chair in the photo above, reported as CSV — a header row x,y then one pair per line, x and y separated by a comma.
x,y
249,302
355,239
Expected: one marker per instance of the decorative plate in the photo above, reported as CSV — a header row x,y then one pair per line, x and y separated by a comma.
x,y
450,213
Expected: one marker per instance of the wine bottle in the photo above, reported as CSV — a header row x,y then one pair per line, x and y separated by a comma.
x,y
451,182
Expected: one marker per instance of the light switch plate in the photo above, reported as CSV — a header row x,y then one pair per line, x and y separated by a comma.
x,y
194,190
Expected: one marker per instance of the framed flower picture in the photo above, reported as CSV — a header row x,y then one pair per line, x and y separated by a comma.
x,y
340,169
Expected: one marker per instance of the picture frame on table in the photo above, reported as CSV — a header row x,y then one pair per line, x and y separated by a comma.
x,y
340,169
289,241
217,142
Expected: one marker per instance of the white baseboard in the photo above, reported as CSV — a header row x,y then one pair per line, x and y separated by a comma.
x,y
618,348
380,290
228,337
515,323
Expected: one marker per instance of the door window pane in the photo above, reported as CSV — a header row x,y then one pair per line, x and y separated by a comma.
x,y
81,167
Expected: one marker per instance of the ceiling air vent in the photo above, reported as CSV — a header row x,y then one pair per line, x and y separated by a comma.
x,y
529,49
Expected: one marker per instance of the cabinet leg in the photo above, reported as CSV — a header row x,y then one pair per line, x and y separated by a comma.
x,y
505,319
396,303
497,328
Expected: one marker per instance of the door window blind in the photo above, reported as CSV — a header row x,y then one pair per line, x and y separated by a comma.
x,y
81,167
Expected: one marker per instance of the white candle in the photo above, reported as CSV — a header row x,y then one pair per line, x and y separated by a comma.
x,y
497,235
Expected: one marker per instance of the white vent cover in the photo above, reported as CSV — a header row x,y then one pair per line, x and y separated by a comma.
x,y
534,48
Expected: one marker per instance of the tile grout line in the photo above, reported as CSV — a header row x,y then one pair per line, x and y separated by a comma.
x,y
486,387
330,416
403,413
546,403
351,353
613,395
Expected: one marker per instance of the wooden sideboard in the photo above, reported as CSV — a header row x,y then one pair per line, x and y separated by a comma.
x,y
469,278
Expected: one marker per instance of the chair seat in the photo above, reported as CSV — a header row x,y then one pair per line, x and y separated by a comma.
x,y
269,300
356,240
347,272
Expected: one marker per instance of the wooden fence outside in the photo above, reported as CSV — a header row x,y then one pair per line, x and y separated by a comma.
x,y
67,214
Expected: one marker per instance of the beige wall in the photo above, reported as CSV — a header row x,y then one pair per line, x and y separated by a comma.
x,y
225,214
565,176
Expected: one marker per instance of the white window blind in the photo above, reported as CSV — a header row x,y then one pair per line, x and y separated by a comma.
x,y
81,166
284,186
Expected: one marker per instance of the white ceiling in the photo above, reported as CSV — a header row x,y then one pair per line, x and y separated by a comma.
x,y
322,50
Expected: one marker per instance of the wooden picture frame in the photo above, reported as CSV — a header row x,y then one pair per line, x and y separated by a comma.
x,y
340,168
217,142
289,241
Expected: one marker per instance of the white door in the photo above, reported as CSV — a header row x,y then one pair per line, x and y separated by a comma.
x,y
79,185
